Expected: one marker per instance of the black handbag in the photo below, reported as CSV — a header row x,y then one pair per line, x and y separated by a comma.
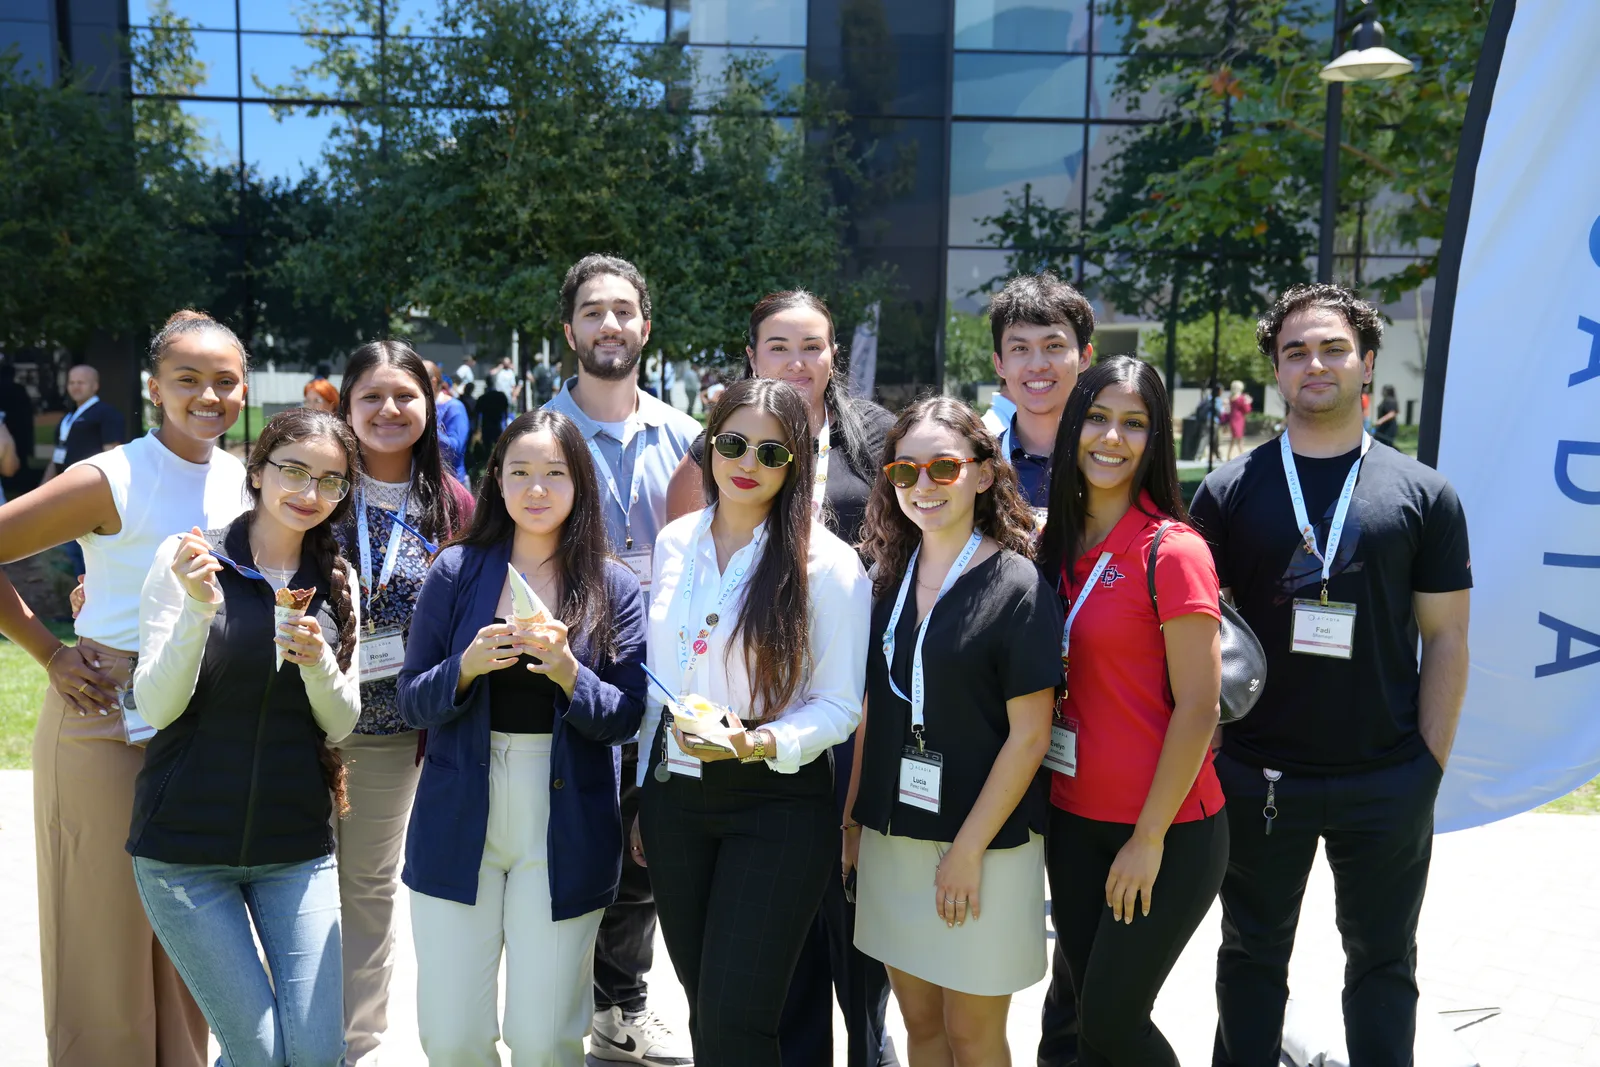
x,y
1244,663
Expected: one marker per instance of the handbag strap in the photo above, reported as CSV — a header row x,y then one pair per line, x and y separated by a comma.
x,y
1150,569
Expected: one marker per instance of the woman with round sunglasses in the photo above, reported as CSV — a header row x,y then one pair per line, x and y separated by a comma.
x,y
1135,806
762,613
960,685
231,836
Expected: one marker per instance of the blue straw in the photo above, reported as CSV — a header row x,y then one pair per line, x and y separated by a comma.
x,y
245,572
433,549
671,697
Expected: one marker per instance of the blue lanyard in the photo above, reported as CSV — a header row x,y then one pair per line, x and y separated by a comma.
x,y
917,698
1308,532
391,551
625,503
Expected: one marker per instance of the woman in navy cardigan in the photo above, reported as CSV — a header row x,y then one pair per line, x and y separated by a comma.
x,y
516,834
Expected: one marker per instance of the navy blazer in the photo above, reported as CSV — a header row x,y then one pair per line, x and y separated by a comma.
x,y
450,817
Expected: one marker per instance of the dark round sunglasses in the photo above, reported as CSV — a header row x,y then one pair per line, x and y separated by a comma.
x,y
904,473
768,453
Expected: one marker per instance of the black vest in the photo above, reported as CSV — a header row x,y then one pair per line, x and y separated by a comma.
x,y
236,779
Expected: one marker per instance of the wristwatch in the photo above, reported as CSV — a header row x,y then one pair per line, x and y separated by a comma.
x,y
758,748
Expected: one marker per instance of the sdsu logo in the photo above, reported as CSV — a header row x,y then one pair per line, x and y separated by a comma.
x,y
1111,576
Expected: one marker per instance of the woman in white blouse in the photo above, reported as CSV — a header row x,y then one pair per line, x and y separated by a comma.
x,y
763,613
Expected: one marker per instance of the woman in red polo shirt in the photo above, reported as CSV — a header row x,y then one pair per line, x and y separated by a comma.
x,y
1135,850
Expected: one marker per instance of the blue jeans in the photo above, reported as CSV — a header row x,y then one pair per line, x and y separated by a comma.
x,y
203,915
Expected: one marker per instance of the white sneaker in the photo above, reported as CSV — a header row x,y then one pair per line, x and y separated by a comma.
x,y
641,1038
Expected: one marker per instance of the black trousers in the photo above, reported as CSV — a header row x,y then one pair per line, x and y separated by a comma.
x,y
624,950
1377,829
740,859
1118,968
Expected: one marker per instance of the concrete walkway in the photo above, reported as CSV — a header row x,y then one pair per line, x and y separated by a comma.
x,y
1512,922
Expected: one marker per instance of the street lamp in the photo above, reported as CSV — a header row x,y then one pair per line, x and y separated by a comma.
x,y
1369,60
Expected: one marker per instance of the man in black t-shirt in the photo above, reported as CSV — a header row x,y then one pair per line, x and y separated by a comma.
x,y
90,428
1349,739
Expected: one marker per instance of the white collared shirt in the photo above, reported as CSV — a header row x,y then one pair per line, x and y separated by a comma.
x,y
827,707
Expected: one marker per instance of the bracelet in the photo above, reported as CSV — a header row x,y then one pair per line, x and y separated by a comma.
x,y
51,661
850,826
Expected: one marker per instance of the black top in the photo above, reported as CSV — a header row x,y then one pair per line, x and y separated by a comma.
x,y
1406,533
521,701
97,427
995,635
849,483
1387,431
236,779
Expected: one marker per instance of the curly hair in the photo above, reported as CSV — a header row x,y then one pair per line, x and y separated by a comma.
x,y
1362,316
1000,512
290,427
592,266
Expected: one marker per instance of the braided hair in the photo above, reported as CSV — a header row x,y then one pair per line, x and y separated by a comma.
x,y
290,427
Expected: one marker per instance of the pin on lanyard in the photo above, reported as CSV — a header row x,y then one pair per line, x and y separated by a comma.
x,y
819,483
626,504
691,653
391,551
917,699
1082,598
1308,532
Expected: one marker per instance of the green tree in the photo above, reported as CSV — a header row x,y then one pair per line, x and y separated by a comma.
x,y
1236,353
968,351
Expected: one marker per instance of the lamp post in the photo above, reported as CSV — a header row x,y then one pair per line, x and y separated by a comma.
x,y
1369,60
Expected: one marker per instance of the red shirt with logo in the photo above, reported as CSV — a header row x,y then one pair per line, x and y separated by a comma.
x,y
1117,688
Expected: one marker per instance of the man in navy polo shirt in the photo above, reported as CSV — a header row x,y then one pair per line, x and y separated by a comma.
x,y
90,428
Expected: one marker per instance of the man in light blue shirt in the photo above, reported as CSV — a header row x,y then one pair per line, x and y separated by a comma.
x,y
637,442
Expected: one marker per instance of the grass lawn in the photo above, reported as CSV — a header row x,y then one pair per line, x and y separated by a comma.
x,y
22,684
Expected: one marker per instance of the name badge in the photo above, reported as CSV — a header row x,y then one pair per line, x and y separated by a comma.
x,y
383,653
134,729
920,773
59,456
1063,755
641,562
1323,629
679,761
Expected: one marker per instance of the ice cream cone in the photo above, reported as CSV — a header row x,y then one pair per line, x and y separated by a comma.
x,y
288,604
526,607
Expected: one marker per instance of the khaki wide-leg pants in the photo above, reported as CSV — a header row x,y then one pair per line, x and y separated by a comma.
x,y
110,994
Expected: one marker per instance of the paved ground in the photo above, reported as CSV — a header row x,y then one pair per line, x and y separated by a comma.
x,y
1512,923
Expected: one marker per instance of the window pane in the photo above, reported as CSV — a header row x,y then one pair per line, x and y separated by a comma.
x,y
287,145
971,272
219,125
1023,25
275,61
36,46
1111,102
1106,144
1020,86
768,22
991,161
269,15
641,21
907,81
786,66
213,49
207,14
412,17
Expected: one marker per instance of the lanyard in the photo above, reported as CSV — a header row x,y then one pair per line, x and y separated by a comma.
x,y
819,484
391,551
1309,532
918,697
611,481
1081,599
690,655
68,420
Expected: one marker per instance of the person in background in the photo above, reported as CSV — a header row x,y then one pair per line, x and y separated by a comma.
x,y
711,388
219,866
636,442
455,426
1386,427
762,612
10,462
110,993
90,428
691,385
492,415
791,338
404,504
544,381
17,406
938,788
1001,410
320,395
1135,804
1340,557
521,846
1239,406
464,375
503,379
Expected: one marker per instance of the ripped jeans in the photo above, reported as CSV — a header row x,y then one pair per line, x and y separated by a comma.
x,y
204,915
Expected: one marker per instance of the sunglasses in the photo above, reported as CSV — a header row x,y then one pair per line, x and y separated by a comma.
x,y
331,487
943,471
768,453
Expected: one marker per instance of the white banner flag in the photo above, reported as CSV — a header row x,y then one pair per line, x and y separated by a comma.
x,y
1516,357
864,354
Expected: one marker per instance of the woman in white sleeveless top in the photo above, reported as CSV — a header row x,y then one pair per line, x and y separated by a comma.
x,y
110,994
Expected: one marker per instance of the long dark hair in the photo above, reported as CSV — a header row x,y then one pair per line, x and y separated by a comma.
x,y
584,547
436,507
1157,472
774,619
291,427
848,427
999,512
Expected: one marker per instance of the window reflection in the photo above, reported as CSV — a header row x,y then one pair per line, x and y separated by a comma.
x,y
971,273
207,14
279,65
1110,101
1023,25
213,49
1020,86
768,22
218,124
288,144
787,68
36,47
992,161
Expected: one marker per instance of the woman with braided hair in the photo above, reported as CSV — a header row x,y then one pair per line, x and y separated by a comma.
x,y
247,669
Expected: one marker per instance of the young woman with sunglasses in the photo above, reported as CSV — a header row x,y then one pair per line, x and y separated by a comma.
x,y
516,838
231,833
791,337
1137,806
404,505
110,993
960,685
763,613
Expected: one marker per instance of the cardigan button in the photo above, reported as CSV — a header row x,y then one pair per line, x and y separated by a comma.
x,y
557,784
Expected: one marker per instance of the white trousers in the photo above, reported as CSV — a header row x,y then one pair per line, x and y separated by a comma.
x,y
549,964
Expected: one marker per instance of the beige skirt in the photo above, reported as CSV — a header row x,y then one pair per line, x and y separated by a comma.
x,y
995,955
